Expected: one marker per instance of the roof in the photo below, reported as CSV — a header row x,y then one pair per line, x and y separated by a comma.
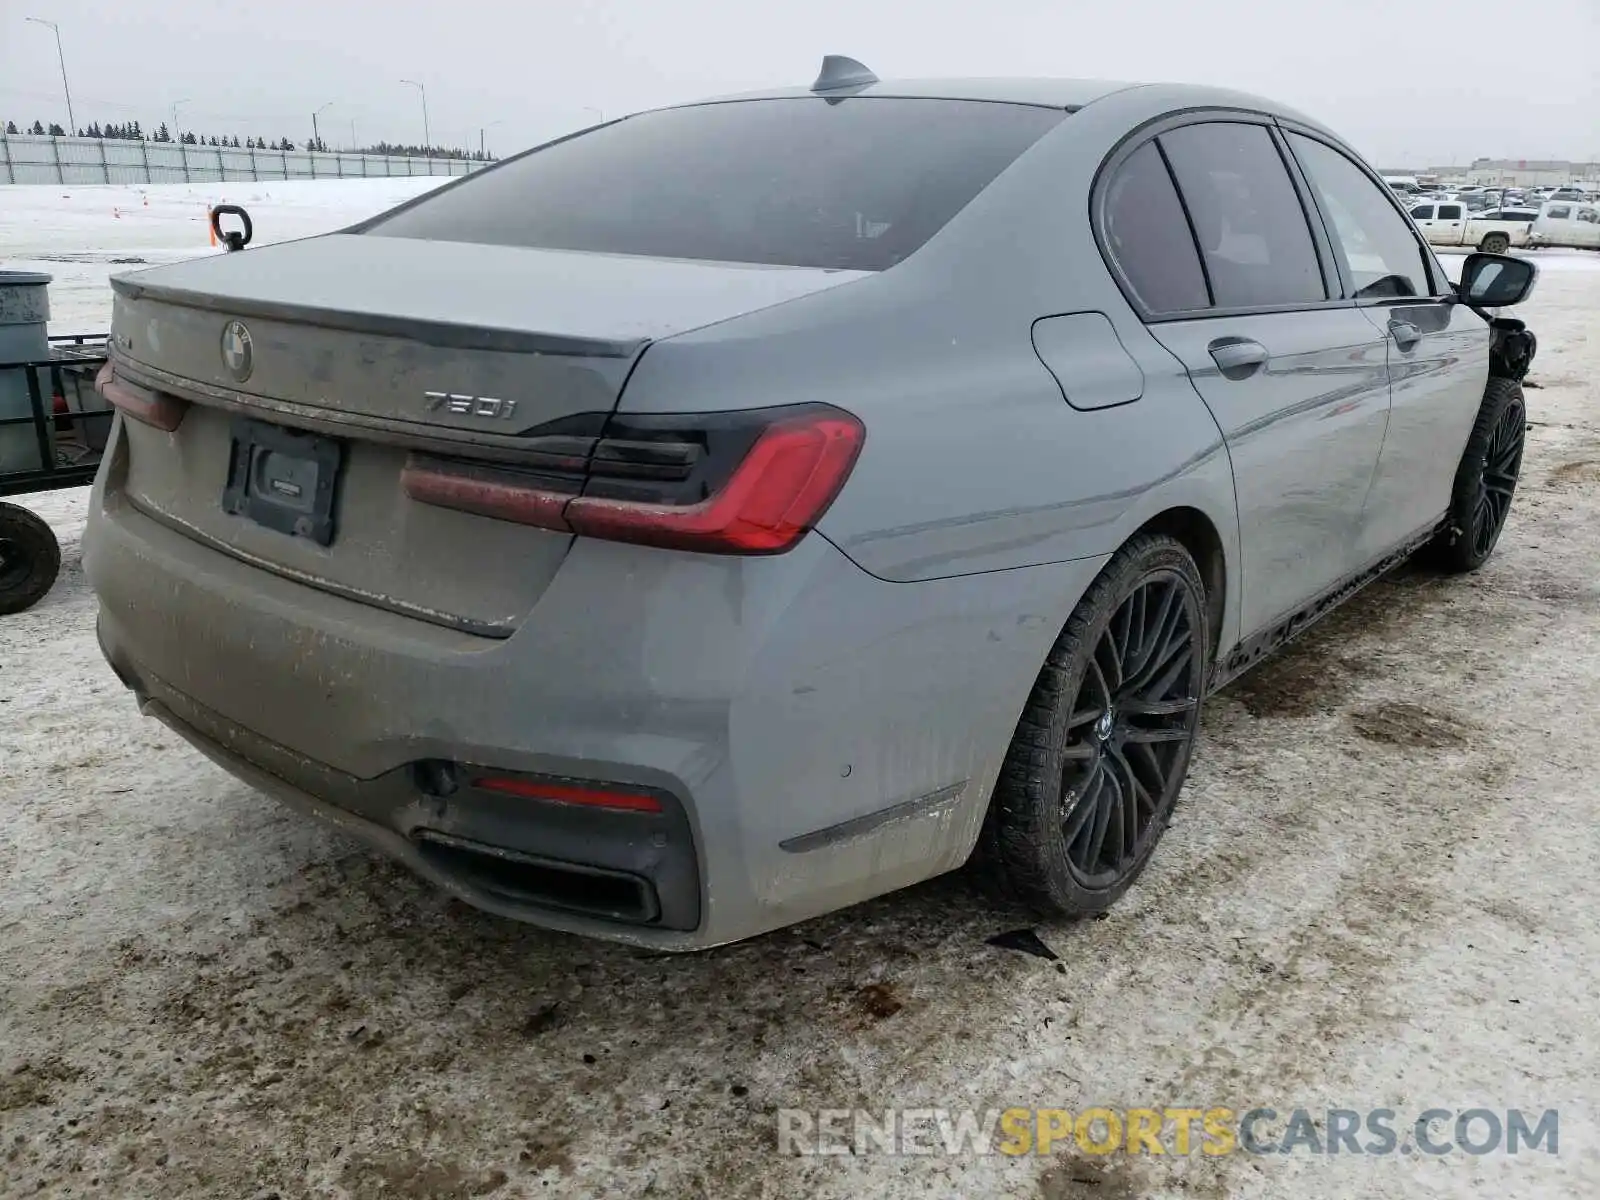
x,y
1047,93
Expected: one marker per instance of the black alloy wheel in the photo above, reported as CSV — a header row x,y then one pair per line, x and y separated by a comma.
x,y
1129,731
1486,480
1103,745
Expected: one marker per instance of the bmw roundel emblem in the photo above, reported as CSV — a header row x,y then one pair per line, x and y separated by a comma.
x,y
237,353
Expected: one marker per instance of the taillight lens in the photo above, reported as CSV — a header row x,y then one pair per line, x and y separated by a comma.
x,y
748,482
157,409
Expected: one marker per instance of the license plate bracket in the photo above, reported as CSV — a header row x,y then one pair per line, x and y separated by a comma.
x,y
283,479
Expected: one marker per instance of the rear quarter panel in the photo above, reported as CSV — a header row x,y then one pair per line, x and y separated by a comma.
x,y
974,461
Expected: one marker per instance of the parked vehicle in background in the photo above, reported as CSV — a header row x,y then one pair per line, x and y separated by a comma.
x,y
1564,223
738,510
1450,224
1403,185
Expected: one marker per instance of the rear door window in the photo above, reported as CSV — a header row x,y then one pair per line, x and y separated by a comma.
x,y
1247,216
853,185
1449,212
1148,236
1381,252
1559,213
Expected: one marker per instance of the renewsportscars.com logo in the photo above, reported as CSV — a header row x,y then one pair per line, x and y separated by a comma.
x,y
1175,1131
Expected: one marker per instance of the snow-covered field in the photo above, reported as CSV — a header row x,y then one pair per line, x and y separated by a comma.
x,y
1380,892
83,235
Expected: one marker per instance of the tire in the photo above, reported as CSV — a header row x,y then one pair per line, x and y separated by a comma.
x,y
1495,243
1486,481
1086,748
30,559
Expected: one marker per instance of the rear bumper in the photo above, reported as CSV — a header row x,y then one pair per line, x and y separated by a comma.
x,y
823,736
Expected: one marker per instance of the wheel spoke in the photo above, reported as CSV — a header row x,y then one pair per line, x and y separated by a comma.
x,y
1144,737
1082,752
1078,818
1137,604
1158,631
1170,637
1157,708
1131,821
1107,820
1136,790
1156,784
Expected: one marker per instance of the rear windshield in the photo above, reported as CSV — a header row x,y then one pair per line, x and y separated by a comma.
x,y
853,185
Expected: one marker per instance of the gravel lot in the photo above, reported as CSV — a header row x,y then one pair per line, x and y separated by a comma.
x,y
1380,891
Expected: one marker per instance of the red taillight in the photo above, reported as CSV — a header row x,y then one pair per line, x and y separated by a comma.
x,y
563,793
726,483
784,484
478,490
157,409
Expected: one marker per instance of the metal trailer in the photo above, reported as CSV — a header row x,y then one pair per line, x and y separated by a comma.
x,y
56,443
59,444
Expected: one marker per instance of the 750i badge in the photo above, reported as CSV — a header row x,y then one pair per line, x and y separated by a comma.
x,y
469,406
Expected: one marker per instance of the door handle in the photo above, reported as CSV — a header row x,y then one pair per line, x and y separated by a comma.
x,y
1237,357
1405,334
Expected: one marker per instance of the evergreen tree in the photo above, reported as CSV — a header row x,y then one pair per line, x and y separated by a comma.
x,y
135,133
37,130
11,126
56,130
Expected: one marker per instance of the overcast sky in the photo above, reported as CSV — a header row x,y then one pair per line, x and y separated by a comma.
x,y
1407,83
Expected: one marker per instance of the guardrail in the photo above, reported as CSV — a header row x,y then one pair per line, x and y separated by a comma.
x,y
27,158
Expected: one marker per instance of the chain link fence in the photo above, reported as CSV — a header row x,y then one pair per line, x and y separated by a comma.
x,y
26,158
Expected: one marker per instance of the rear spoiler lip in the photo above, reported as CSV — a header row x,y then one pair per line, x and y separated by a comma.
x,y
445,334
393,431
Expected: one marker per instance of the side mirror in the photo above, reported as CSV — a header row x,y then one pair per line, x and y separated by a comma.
x,y
1496,280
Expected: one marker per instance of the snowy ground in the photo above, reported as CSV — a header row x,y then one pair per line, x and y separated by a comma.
x,y
83,235
1380,891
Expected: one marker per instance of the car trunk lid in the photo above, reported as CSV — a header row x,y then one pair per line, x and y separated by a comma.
x,y
329,362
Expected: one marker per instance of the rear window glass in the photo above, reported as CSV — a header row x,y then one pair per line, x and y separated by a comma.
x,y
857,185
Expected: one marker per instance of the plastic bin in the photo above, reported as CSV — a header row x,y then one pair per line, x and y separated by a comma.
x,y
24,337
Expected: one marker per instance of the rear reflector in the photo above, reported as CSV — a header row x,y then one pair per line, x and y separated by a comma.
x,y
748,482
157,409
563,793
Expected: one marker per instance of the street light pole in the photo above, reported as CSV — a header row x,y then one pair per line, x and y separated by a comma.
x,y
72,123
482,153
176,105
427,136
316,137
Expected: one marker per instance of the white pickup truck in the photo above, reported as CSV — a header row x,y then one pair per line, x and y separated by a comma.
x,y
1494,231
